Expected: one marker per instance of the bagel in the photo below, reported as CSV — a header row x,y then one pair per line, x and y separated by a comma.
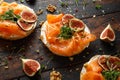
x,y
60,46
10,29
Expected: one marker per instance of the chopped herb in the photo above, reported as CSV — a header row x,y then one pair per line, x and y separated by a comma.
x,y
9,15
94,1
42,66
111,44
22,1
118,63
41,69
66,32
76,1
87,53
100,49
21,49
5,62
84,3
63,4
98,6
111,75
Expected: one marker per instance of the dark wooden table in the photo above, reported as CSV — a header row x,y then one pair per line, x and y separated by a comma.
x,y
32,47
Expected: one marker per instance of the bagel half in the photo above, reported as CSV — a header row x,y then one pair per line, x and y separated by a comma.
x,y
63,52
7,33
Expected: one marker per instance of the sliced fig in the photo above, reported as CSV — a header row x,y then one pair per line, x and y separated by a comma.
x,y
76,24
107,34
113,63
30,66
25,25
109,62
66,18
102,62
28,16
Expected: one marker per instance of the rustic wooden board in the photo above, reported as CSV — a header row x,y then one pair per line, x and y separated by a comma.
x,y
11,51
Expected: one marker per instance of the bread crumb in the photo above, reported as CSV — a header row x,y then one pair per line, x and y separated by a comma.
x,y
41,23
71,58
40,11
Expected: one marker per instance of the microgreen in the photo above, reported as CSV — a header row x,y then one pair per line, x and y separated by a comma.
x,y
9,15
66,32
22,1
76,1
98,6
111,75
63,3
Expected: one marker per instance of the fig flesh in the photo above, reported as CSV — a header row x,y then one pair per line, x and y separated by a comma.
x,y
107,34
66,18
28,16
76,24
30,66
25,25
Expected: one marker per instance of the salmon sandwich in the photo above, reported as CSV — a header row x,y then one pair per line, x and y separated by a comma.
x,y
16,21
65,35
101,67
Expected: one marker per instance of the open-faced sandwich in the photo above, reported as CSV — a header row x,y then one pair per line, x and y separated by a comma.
x,y
16,21
65,35
101,67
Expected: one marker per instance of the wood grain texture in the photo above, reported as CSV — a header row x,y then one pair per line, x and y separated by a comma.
x,y
13,50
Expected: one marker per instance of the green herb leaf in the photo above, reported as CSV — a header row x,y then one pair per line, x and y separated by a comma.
x,y
98,6
9,15
41,69
22,1
94,1
66,32
63,4
85,3
111,75
76,1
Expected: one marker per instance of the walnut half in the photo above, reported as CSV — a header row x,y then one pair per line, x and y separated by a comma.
x,y
54,75
51,8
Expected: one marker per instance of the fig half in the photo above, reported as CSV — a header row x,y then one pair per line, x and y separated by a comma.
x,y
107,34
76,24
30,66
25,25
66,18
28,16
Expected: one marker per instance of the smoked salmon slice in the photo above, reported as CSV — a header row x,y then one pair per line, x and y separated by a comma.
x,y
91,75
